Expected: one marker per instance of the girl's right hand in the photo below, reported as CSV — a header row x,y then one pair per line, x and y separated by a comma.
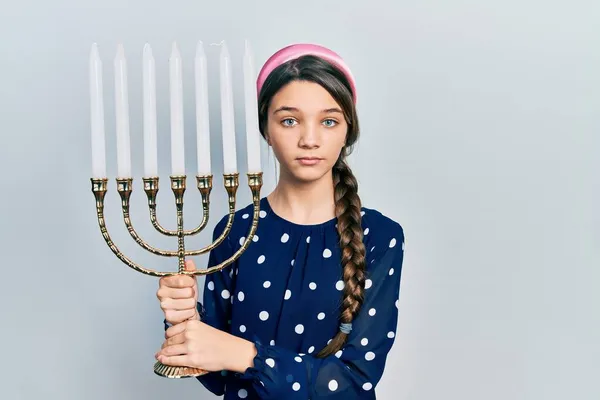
x,y
178,296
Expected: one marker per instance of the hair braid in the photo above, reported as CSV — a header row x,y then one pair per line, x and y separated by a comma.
x,y
348,213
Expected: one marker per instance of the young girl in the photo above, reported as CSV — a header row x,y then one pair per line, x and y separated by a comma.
x,y
310,309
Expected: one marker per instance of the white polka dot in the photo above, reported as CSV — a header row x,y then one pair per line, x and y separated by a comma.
x,y
321,316
368,283
255,238
296,386
298,359
242,328
362,213
245,216
333,385
272,343
263,315
267,284
241,296
284,238
329,341
391,334
402,245
299,329
311,349
391,271
339,285
262,213
288,294
397,304
211,285
367,386
308,239
370,356
372,248
392,242
338,354
312,286
225,294
292,263
270,362
262,383
242,393
230,273
326,253
364,341
372,312
366,232
261,259
242,240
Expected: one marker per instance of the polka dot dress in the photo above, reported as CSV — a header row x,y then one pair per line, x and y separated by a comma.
x,y
283,294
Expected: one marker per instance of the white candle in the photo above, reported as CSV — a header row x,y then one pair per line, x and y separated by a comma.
x,y
202,121
251,102
176,91
227,115
122,115
97,115
149,86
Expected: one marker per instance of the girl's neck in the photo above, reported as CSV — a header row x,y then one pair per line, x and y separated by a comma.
x,y
304,203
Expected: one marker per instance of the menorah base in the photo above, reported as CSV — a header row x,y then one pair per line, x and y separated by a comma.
x,y
169,371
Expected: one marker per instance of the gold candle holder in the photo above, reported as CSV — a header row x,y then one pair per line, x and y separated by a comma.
x,y
178,186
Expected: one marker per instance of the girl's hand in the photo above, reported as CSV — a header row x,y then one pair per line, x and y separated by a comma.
x,y
196,344
178,296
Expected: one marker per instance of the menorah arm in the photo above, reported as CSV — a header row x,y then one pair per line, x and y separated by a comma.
x,y
99,186
204,183
255,183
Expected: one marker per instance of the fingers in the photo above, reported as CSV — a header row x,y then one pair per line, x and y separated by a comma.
x,y
189,265
171,293
178,304
174,350
176,339
177,361
175,317
177,281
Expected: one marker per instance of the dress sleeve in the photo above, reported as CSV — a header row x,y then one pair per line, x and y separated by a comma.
x,y
215,308
354,371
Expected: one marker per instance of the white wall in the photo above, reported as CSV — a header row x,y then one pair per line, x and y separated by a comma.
x,y
480,124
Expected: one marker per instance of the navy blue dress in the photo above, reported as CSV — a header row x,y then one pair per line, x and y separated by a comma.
x,y
284,294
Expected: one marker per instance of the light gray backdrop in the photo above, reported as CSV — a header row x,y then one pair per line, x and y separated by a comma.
x,y
480,124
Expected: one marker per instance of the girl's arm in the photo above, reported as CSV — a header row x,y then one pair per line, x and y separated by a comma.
x,y
215,308
354,371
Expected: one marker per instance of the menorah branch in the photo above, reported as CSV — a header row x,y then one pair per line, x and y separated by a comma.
x,y
204,184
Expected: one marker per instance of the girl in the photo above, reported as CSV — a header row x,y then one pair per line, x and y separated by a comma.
x,y
310,309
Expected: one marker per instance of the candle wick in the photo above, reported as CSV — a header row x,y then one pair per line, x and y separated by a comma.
x,y
217,44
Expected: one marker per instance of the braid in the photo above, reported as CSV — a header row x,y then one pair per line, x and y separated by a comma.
x,y
348,213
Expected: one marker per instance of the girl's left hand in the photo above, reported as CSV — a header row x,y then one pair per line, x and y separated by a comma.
x,y
196,344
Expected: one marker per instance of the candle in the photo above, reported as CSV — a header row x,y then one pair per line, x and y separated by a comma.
x,y
176,91
149,87
97,115
202,121
122,115
251,102
227,116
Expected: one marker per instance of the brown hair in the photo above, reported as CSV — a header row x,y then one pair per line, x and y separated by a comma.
x,y
347,202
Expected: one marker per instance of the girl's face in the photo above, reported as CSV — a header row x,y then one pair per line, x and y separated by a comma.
x,y
306,129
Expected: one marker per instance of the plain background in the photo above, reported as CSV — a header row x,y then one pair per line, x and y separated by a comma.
x,y
480,135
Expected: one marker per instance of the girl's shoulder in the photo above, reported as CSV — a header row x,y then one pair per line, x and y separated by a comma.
x,y
381,226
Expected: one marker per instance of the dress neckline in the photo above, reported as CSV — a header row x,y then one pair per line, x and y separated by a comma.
x,y
266,206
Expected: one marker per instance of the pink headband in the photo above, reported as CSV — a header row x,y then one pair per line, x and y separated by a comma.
x,y
297,50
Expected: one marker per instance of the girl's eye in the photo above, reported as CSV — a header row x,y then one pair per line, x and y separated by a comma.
x,y
333,122
288,119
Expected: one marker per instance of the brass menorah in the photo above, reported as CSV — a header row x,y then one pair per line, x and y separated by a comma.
x,y
178,185
204,178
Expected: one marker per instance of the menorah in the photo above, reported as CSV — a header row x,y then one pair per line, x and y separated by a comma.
x,y
204,177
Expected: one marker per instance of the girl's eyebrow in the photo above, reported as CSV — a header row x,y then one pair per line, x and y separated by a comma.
x,y
294,109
